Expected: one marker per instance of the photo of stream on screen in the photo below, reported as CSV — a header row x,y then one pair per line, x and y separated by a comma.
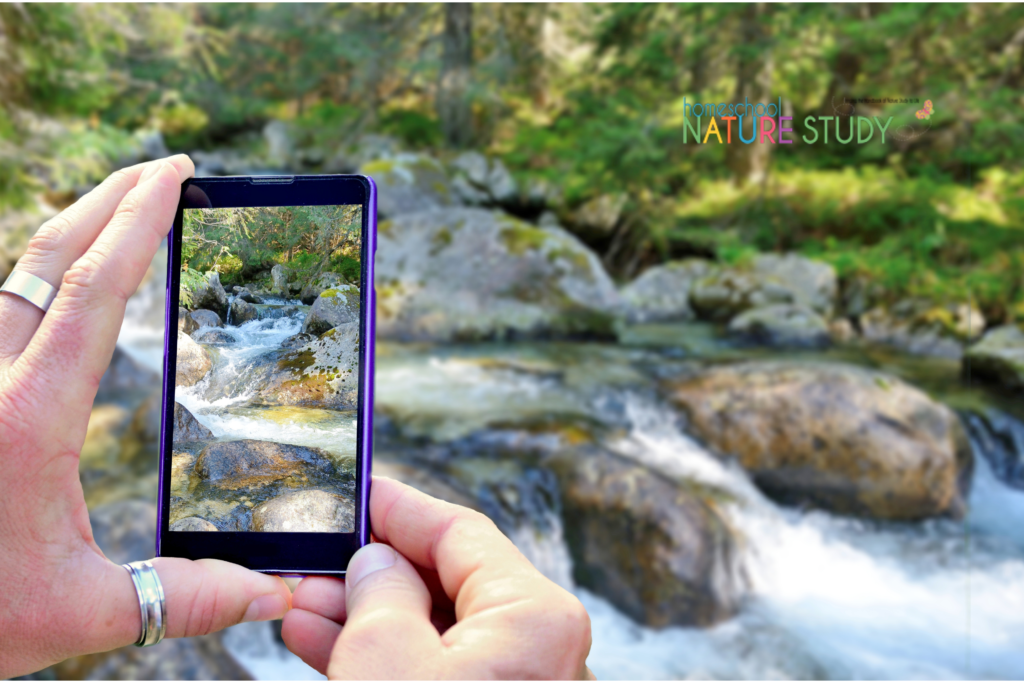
x,y
267,375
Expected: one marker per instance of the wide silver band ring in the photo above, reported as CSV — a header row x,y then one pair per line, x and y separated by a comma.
x,y
30,288
152,604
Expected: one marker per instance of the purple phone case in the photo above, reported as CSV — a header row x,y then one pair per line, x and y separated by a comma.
x,y
367,366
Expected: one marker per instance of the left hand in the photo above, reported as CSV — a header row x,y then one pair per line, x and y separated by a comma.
x,y
59,595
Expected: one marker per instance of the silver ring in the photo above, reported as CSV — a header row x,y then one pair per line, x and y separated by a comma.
x,y
152,605
30,288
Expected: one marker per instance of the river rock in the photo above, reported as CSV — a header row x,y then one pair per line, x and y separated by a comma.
x,y
193,362
242,312
211,295
125,375
243,294
835,436
318,286
655,549
479,181
999,438
662,293
310,511
213,337
407,183
248,463
193,524
279,278
768,279
186,323
998,358
781,325
331,308
922,327
205,318
187,427
598,217
323,374
471,274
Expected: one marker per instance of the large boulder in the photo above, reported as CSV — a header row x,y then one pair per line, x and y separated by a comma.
x,y
465,274
836,436
768,279
482,181
309,511
205,318
213,337
662,293
242,312
998,358
332,307
319,285
249,464
187,427
280,276
322,374
781,325
193,362
211,295
245,294
186,323
658,550
407,183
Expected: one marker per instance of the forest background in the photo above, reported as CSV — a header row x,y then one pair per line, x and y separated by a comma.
x,y
584,98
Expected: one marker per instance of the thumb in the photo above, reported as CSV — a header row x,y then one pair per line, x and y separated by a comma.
x,y
388,632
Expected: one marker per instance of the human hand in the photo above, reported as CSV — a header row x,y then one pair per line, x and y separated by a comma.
x,y
59,595
465,604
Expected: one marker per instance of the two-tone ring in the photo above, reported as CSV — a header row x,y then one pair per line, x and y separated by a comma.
x,y
33,289
152,603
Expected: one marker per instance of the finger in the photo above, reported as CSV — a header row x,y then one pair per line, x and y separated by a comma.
x,y
202,597
62,240
323,596
499,596
388,631
310,637
76,338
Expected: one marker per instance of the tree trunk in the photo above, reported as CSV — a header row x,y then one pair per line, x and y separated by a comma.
x,y
749,163
453,108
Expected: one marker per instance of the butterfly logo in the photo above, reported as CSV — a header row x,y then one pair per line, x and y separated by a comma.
x,y
927,112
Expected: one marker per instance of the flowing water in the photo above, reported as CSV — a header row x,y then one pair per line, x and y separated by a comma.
x,y
830,597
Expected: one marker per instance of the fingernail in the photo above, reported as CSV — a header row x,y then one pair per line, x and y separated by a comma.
x,y
368,560
151,171
266,608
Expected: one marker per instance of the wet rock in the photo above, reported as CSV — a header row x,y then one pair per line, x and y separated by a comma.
x,y
125,375
242,312
998,358
768,279
187,427
279,277
297,341
192,364
205,318
324,373
251,464
422,479
310,511
331,308
213,337
186,323
923,328
273,312
243,294
408,183
781,325
314,289
831,435
662,293
657,550
472,274
999,438
211,295
192,524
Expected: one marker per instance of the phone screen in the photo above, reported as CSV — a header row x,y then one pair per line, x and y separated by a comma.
x,y
266,390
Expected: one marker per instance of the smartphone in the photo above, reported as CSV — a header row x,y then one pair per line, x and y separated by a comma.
x,y
268,373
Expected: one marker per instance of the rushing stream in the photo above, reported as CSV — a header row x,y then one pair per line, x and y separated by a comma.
x,y
830,596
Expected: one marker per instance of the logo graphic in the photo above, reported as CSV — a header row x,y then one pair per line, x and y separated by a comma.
x,y
925,113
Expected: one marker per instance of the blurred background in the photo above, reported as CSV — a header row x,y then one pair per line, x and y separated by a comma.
x,y
758,406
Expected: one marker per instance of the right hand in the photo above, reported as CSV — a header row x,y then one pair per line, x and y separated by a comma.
x,y
457,600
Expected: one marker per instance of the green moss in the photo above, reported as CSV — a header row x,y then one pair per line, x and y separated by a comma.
x,y
378,167
442,238
384,227
519,237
